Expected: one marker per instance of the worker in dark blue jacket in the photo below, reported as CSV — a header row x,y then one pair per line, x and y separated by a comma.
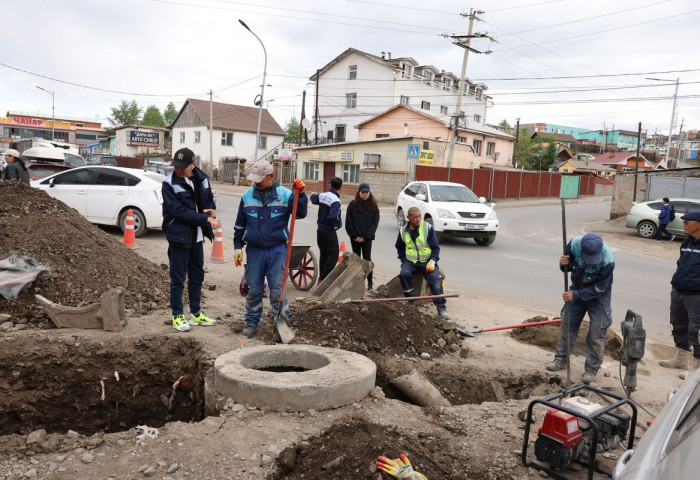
x,y
664,220
328,222
189,215
685,298
591,263
262,225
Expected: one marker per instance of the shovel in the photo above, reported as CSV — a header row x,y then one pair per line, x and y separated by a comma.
x,y
472,333
397,299
281,324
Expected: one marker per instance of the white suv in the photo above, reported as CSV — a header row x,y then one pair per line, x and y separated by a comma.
x,y
451,208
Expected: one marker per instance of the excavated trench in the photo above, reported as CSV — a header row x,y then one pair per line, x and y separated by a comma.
x,y
87,385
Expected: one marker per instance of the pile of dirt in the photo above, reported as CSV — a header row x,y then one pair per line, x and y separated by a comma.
x,y
547,336
382,328
85,261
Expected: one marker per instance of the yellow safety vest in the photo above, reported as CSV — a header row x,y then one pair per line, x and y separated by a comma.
x,y
418,251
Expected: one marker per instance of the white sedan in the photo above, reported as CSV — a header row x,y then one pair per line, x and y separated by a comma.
x,y
103,195
451,208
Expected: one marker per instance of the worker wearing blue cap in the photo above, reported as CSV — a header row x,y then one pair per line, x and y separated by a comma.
x,y
591,263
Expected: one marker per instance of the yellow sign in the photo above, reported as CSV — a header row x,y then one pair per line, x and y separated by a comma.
x,y
33,122
330,156
426,158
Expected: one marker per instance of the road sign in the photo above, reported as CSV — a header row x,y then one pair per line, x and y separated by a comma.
x,y
413,151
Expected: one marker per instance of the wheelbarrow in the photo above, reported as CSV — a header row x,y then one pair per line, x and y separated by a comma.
x,y
303,269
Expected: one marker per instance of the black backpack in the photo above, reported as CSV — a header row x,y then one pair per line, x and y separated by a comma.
x,y
673,213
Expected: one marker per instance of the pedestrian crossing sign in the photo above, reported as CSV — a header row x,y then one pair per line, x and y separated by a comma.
x,y
413,151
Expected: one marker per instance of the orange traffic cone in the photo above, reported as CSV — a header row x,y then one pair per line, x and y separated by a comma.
x,y
343,248
129,233
217,251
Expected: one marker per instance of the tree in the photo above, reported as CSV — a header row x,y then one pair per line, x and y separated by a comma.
x,y
152,117
169,114
506,126
292,131
127,113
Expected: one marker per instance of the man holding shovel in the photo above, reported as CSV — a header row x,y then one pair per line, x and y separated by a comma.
x,y
262,224
591,263
418,249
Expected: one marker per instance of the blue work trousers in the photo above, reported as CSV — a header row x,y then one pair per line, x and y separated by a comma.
x,y
685,320
264,262
186,262
600,317
433,279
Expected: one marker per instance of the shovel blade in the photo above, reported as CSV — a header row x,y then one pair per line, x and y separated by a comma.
x,y
467,333
285,331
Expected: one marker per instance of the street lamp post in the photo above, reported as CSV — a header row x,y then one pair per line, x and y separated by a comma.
x,y
53,111
673,114
262,91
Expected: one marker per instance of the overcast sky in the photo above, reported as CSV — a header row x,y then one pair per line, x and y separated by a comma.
x,y
600,50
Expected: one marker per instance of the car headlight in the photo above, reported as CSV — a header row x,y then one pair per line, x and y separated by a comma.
x,y
159,194
442,213
492,216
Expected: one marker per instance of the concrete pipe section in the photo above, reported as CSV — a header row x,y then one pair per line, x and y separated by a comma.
x,y
294,377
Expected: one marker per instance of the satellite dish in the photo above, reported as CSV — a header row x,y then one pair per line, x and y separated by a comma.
x,y
305,123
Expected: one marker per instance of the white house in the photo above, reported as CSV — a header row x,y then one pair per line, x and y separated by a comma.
x,y
234,129
356,86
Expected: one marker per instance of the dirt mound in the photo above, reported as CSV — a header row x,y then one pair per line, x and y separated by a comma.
x,y
547,336
85,261
388,328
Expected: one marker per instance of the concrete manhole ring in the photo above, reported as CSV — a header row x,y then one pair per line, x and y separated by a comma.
x,y
294,377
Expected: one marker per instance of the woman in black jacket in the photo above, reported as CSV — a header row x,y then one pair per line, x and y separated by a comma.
x,y
361,222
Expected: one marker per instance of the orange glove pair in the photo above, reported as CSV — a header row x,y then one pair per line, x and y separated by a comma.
x,y
299,185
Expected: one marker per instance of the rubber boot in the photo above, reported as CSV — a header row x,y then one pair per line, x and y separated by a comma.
x,y
681,360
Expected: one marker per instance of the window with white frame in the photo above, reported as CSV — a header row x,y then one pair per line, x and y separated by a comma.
x,y
227,139
462,139
443,109
477,118
310,171
479,93
404,100
351,173
352,72
425,105
490,148
263,142
476,145
197,137
448,84
407,70
182,137
351,100
428,77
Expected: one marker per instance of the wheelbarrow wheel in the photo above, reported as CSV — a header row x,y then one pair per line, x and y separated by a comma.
x,y
305,274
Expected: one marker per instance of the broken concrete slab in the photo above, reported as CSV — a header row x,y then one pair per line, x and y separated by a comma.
x,y
108,315
346,281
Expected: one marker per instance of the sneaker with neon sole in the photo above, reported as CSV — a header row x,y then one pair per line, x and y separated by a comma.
x,y
180,323
201,320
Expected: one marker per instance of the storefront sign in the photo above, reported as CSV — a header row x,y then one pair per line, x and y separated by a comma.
x,y
284,154
33,122
330,156
426,158
147,139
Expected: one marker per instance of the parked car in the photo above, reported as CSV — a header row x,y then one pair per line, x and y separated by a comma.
x,y
107,160
104,194
74,160
669,449
38,170
159,167
451,208
644,216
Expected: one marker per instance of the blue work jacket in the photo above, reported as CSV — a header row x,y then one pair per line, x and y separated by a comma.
x,y
588,281
183,206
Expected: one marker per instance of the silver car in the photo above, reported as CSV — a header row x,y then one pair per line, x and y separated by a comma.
x,y
644,216
669,449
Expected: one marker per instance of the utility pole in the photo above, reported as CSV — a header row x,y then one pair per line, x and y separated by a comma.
x,y
303,116
636,162
517,139
460,42
605,137
316,115
211,128
680,140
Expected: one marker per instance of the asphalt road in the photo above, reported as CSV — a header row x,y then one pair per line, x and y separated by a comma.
x,y
521,267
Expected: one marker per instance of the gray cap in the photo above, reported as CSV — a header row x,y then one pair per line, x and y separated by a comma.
x,y
260,170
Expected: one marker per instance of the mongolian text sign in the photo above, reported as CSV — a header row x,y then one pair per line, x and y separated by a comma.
x,y
33,122
146,139
330,156
426,158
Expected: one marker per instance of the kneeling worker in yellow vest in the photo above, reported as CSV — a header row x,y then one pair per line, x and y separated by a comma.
x,y
418,249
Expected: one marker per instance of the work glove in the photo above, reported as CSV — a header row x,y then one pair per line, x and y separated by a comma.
x,y
430,266
299,185
238,257
398,468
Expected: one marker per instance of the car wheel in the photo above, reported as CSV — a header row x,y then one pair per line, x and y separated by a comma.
x,y
139,222
400,217
485,241
647,229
